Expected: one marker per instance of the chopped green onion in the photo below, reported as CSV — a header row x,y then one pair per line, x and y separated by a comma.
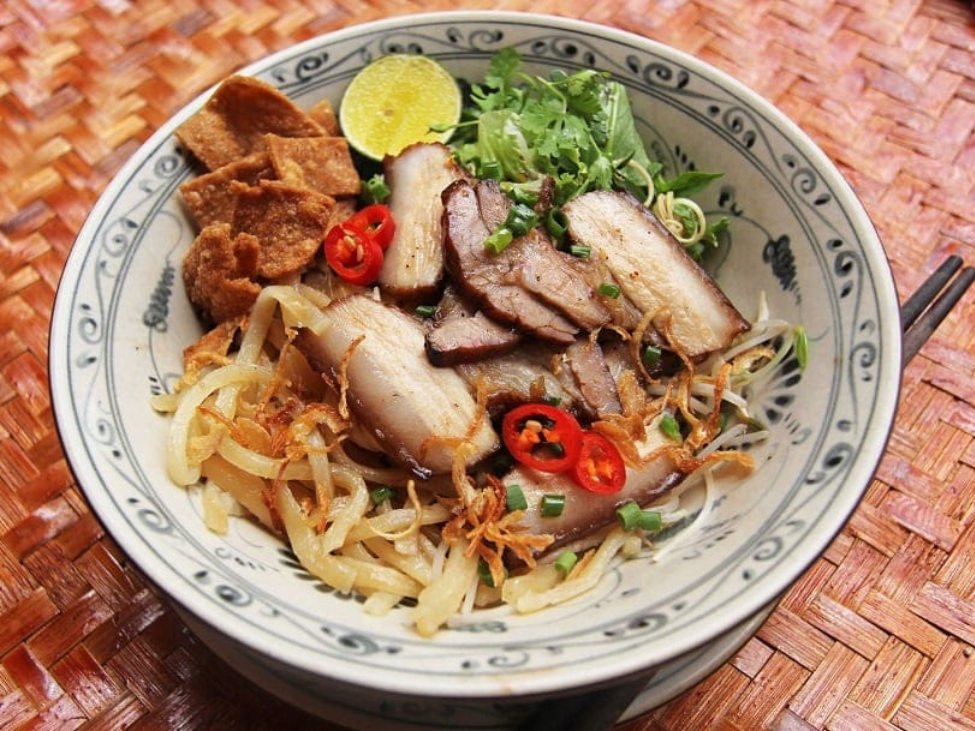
x,y
555,448
552,505
499,240
425,310
381,494
375,190
521,219
518,194
629,516
566,561
515,498
802,347
722,422
484,573
582,252
669,426
554,400
608,290
650,356
651,521
556,224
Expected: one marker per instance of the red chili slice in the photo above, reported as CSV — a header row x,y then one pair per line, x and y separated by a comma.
x,y
353,254
600,467
376,220
542,437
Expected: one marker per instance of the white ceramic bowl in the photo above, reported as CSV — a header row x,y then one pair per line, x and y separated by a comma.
x,y
798,233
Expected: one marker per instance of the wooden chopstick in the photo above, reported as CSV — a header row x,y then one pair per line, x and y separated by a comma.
x,y
920,318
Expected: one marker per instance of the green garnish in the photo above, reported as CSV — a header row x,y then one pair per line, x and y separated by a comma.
x,y
375,190
577,129
566,561
670,427
381,494
556,224
686,184
629,516
484,573
650,356
499,240
553,400
582,252
608,290
521,219
515,498
632,517
425,310
552,505
651,521
802,347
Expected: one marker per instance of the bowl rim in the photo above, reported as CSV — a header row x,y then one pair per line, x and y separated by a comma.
x,y
177,589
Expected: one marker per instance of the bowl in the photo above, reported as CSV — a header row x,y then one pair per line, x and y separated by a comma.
x,y
798,234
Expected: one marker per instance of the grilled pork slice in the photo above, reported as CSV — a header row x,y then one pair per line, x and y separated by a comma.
x,y
462,334
596,383
529,285
392,388
414,260
654,271
586,512
521,376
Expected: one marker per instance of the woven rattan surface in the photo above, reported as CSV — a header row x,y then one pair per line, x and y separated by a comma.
x,y
878,635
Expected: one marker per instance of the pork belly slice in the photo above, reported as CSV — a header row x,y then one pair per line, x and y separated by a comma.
x,y
392,388
414,260
596,383
586,512
462,334
654,271
529,285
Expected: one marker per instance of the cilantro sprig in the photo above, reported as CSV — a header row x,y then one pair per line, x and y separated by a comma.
x,y
576,129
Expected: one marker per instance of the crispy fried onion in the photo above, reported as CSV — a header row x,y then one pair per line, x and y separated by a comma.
x,y
344,378
490,530
417,519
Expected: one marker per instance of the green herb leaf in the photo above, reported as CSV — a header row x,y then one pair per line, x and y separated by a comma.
x,y
670,427
425,311
686,184
714,229
802,347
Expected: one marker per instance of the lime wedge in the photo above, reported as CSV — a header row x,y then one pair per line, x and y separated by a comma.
x,y
393,101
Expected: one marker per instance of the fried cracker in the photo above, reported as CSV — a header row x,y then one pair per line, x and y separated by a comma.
x,y
324,114
289,222
321,164
342,211
209,196
233,122
217,272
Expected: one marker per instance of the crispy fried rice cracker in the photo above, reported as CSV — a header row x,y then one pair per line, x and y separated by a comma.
x,y
321,164
324,114
289,222
209,196
217,272
233,122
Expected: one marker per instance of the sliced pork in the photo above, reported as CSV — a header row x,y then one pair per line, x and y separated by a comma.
x,y
586,512
462,334
521,376
596,383
654,271
405,402
529,285
414,260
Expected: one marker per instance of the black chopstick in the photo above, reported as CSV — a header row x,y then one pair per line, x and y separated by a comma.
x,y
920,317
919,327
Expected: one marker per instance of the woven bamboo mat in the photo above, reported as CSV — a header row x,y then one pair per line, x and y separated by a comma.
x,y
879,633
